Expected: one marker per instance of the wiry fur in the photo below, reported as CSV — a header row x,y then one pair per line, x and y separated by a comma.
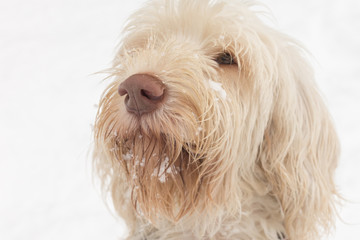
x,y
247,160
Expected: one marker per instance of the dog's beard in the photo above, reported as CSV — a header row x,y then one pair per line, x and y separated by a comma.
x,y
162,172
159,155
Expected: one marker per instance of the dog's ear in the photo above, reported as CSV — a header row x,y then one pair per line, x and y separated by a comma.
x,y
300,148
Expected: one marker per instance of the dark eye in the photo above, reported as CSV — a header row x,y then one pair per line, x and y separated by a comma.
x,y
225,58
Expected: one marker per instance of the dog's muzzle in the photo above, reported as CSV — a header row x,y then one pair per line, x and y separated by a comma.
x,y
144,93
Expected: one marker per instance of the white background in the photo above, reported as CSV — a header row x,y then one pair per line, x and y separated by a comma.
x,y
49,51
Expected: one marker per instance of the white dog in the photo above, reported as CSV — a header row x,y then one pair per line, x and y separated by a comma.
x,y
213,128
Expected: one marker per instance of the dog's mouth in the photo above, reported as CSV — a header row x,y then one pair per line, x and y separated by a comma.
x,y
151,159
160,176
146,147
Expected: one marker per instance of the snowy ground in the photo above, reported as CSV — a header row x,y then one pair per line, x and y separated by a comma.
x,y
48,52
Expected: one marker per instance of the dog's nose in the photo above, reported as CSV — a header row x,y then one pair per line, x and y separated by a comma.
x,y
144,93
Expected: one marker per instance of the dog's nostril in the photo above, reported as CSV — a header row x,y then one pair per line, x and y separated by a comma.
x,y
144,93
126,100
150,95
122,91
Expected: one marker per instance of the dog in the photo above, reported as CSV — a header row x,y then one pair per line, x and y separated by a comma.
x,y
213,128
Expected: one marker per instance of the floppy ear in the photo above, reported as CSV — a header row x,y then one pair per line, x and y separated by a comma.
x,y
300,149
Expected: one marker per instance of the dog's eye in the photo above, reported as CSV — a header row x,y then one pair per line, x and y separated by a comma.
x,y
225,58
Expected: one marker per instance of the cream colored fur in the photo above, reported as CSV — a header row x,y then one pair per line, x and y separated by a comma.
x,y
241,151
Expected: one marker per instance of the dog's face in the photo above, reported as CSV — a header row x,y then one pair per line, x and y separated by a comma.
x,y
216,91
210,96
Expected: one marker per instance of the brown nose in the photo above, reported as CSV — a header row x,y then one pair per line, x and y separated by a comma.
x,y
144,93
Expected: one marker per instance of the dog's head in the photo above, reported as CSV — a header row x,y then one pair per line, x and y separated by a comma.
x,y
208,107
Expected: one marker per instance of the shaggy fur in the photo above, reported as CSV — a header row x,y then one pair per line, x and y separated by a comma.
x,y
244,149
